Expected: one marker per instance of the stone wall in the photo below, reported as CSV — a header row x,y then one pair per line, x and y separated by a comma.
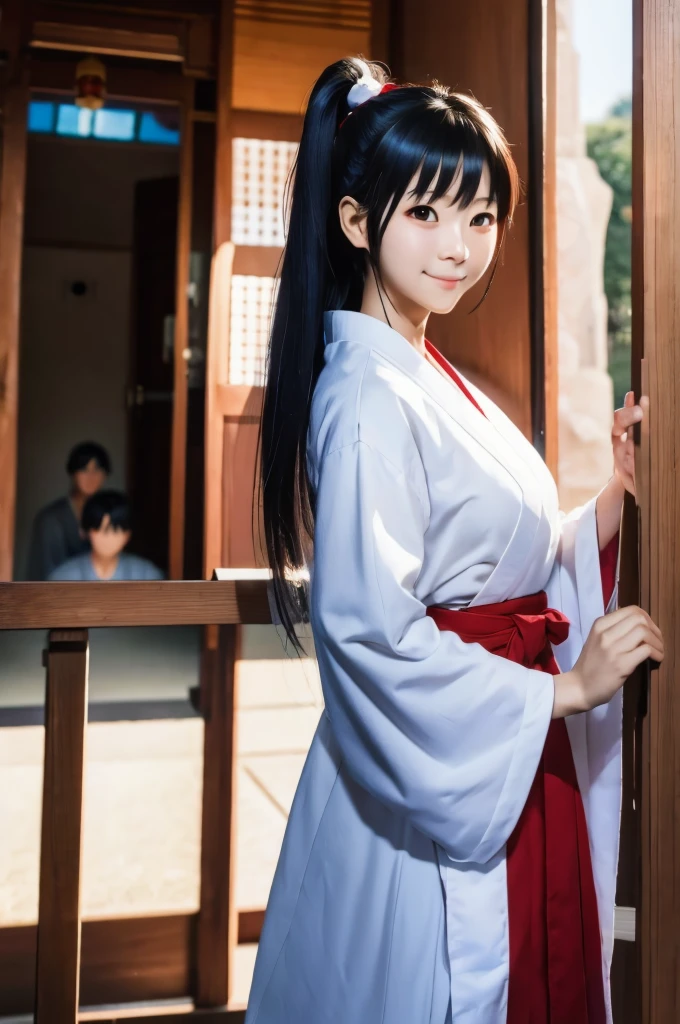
x,y
583,209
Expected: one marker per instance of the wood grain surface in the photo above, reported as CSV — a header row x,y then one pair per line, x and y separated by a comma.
x,y
165,603
656,234
58,956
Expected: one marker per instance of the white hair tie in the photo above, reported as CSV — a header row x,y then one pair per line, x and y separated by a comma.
x,y
365,89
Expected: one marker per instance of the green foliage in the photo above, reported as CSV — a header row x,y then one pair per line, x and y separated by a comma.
x,y
622,108
610,146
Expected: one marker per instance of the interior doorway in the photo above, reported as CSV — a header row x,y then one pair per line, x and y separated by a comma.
x,y
98,297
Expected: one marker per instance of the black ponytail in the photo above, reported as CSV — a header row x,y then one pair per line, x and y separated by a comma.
x,y
372,155
296,345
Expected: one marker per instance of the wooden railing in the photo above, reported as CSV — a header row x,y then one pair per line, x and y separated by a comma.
x,y
68,610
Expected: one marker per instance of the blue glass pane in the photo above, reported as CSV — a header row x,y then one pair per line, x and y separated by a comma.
x,y
40,116
72,120
151,130
114,124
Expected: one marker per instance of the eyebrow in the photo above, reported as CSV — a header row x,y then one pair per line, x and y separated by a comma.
x,y
430,191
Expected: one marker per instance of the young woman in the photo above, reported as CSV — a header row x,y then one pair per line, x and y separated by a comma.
x,y
451,851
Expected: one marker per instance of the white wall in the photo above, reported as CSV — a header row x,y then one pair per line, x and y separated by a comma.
x,y
73,371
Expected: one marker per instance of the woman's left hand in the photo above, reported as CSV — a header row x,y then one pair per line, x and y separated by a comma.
x,y
622,439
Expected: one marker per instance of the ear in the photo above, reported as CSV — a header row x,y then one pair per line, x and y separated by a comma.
x,y
353,222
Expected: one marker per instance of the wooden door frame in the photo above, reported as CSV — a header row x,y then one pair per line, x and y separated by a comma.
x,y
543,84
14,92
217,357
49,78
656,325
178,450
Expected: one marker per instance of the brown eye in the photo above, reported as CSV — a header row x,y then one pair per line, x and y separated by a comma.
x,y
483,220
423,213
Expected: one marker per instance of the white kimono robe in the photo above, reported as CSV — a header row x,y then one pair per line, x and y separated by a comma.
x,y
389,903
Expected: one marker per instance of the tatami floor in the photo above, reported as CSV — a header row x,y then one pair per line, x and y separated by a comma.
x,y
143,789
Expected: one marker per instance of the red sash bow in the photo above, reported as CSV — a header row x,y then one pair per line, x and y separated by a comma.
x,y
521,630
555,945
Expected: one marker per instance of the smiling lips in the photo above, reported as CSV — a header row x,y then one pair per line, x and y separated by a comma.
x,y
446,282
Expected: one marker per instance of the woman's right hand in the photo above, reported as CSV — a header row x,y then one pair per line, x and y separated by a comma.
x,y
616,645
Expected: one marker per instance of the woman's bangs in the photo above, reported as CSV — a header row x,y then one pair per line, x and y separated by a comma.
x,y
455,146
461,144
433,148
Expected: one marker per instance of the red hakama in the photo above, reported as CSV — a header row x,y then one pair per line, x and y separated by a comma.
x,y
554,934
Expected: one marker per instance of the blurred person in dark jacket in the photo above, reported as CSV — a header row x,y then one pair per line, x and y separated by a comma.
x,y
56,534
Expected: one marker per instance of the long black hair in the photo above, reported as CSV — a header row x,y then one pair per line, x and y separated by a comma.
x,y
371,154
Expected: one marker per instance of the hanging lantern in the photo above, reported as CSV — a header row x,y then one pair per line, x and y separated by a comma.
x,y
90,83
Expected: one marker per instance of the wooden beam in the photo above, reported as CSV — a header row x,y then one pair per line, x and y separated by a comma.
x,y
157,1016
656,294
52,36
123,960
58,957
259,124
129,960
90,30
168,31
122,83
250,924
217,918
237,400
258,260
90,605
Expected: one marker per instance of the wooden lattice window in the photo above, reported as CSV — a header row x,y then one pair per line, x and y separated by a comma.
x,y
260,172
252,301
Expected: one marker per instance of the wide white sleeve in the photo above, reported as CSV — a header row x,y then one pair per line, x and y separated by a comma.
x,y
439,730
575,588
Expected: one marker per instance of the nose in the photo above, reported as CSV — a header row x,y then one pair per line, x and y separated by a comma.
x,y
454,247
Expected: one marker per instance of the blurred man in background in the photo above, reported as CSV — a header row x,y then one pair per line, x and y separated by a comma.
x,y
56,534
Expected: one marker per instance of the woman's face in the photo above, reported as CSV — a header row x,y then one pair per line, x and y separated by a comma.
x,y
431,253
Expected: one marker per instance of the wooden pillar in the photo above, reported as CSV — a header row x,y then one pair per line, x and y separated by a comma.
x,y
58,961
178,458
656,290
217,358
14,103
217,919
